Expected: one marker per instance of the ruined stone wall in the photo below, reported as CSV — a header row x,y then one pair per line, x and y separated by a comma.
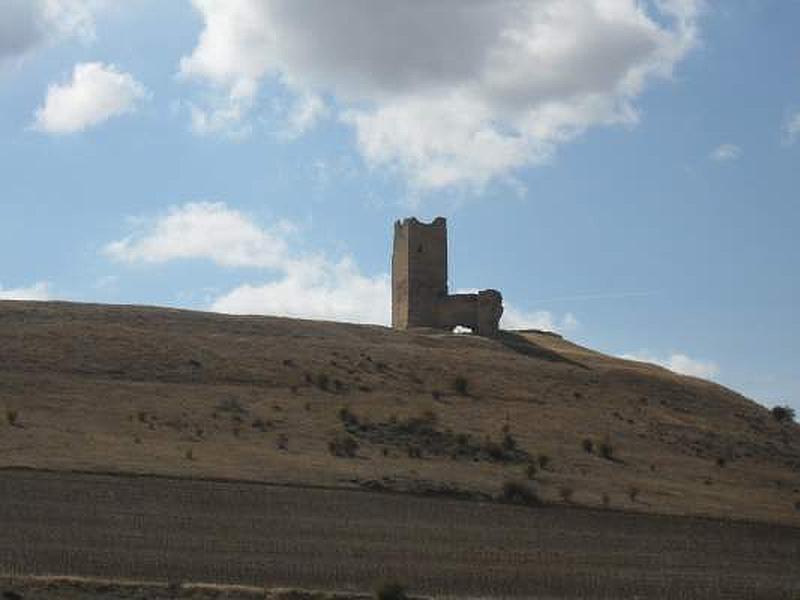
x,y
419,284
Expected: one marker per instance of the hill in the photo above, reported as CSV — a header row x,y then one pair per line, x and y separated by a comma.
x,y
159,391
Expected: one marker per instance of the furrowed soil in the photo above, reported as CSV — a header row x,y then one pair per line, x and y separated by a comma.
x,y
176,531
626,456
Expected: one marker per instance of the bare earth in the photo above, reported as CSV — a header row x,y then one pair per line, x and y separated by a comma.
x,y
171,530
623,453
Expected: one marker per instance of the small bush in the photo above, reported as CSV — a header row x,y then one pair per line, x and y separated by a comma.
x,y
189,454
606,500
343,446
283,442
797,505
461,385
323,381
531,470
494,450
588,446
517,492
783,414
607,450
509,443
391,590
436,394
721,462
544,461
566,493
347,417
12,417
142,416
414,452
633,493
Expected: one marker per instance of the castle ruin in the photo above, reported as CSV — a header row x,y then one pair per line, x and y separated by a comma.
x,y
419,284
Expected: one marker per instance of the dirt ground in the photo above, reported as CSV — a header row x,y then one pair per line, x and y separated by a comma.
x,y
170,530
159,391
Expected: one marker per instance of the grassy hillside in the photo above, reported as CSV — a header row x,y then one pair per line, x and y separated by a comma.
x,y
159,391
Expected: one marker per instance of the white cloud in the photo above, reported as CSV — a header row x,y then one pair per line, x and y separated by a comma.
x,y
38,291
679,363
205,230
791,130
314,288
307,286
725,152
447,92
538,319
28,24
95,93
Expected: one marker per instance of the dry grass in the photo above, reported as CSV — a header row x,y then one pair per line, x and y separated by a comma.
x,y
145,390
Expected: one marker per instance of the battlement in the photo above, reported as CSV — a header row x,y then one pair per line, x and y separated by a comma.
x,y
419,283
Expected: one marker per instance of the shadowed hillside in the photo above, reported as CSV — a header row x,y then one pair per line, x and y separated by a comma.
x,y
159,391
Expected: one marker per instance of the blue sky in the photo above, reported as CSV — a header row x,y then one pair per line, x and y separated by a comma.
x,y
624,172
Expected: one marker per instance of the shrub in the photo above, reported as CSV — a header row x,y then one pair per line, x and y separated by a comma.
x,y
517,492
606,500
588,446
343,446
494,450
189,454
797,505
633,493
391,590
566,493
436,394
12,416
283,442
721,462
347,417
323,381
544,461
461,385
783,414
414,452
607,450
530,470
142,416
509,443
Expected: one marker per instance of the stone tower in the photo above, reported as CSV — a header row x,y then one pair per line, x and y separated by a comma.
x,y
419,271
419,284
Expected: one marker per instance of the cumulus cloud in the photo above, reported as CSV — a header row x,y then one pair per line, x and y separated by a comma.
x,y
545,320
28,24
791,130
725,152
309,286
315,288
679,363
38,291
205,230
95,93
447,92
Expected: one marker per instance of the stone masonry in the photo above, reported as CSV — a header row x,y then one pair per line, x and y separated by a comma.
x,y
419,284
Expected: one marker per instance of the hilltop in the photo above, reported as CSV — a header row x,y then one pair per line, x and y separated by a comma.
x,y
189,394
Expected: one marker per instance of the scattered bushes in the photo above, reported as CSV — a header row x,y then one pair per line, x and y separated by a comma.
x,y
391,590
518,492
783,414
343,446
588,446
